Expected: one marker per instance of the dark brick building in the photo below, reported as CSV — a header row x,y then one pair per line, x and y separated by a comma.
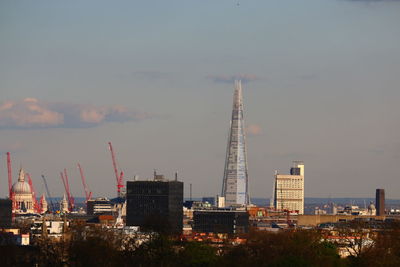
x,y
5,213
155,205
221,221
380,202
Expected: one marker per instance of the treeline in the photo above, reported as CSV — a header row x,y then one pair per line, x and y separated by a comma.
x,y
83,246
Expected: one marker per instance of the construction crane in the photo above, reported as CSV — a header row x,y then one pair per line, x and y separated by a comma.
x,y
88,193
10,192
71,201
119,178
9,169
53,209
36,206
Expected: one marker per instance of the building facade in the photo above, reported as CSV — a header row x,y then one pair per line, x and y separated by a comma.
x,y
380,202
221,221
99,206
5,213
155,205
289,189
22,195
235,180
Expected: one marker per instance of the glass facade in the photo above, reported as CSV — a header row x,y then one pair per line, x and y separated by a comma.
x,y
235,180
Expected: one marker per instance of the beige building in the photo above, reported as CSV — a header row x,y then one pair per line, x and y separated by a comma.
x,y
23,201
289,189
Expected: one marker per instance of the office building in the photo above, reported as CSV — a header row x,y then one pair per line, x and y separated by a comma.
x,y
235,180
221,221
155,205
289,189
99,206
380,202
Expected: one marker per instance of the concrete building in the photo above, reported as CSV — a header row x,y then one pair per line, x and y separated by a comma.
x,y
235,180
99,206
5,213
289,189
21,190
156,205
53,227
380,202
221,221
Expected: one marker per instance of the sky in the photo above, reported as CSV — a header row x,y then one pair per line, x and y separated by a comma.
x,y
320,84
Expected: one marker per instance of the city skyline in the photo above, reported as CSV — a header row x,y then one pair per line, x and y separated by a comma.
x,y
320,79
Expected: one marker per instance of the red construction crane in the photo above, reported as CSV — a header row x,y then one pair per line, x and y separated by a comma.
x,y
87,192
71,201
119,178
10,193
36,206
9,175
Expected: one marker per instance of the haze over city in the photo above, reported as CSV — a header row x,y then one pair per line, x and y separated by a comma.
x,y
320,84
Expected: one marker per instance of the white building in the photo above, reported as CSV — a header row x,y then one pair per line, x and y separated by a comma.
x,y
64,205
289,189
22,194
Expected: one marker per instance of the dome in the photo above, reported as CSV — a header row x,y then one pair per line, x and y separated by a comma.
x,y
21,187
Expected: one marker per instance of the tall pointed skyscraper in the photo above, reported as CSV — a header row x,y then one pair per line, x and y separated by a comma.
x,y
235,182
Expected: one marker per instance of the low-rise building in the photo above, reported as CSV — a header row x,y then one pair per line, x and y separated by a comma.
x,y
221,221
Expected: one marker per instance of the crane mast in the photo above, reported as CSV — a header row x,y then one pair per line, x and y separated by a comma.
x,y
88,193
71,201
10,192
36,205
119,178
48,193
9,170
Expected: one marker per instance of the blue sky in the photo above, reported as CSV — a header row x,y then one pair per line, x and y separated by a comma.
x,y
154,77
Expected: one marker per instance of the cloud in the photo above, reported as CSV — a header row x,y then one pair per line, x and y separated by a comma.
x,y
253,129
231,78
32,113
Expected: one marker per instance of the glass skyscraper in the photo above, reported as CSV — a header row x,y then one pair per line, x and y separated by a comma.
x,y
235,181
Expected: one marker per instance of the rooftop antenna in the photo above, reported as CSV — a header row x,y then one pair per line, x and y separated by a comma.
x,y
176,176
155,174
190,192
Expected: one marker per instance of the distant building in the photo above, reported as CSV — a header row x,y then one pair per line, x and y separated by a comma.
x,y
43,204
53,228
64,205
380,202
235,180
99,206
221,221
210,200
289,189
5,213
22,195
156,205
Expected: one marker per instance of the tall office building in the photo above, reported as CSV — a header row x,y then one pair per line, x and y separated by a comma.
x,y
156,205
235,180
380,202
289,189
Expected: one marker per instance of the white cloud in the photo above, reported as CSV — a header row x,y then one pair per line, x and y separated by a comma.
x,y
33,113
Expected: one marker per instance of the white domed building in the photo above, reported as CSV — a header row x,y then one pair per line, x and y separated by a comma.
x,y
22,194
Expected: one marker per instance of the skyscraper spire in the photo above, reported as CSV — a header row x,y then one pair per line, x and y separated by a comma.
x,y
235,181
